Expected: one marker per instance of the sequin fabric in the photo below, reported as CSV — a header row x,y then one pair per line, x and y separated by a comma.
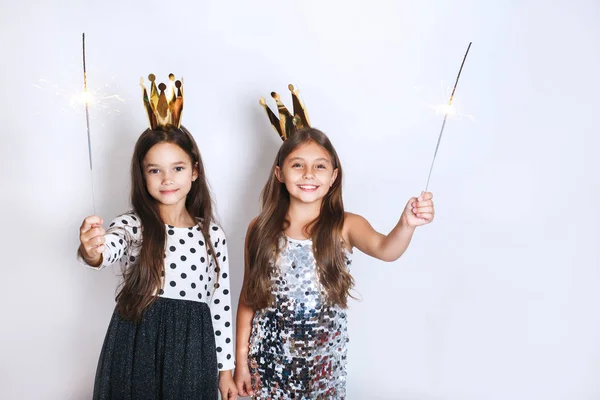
x,y
298,346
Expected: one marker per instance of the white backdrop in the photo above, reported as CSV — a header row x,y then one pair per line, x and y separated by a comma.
x,y
496,300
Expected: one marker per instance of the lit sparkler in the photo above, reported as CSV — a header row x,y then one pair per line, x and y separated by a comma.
x,y
447,109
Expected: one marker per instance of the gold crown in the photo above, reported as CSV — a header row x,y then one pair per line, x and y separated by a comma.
x,y
287,124
164,108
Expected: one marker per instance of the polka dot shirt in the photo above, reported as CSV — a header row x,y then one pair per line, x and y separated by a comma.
x,y
190,272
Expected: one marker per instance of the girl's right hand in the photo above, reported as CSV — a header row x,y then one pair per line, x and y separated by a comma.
x,y
91,236
242,380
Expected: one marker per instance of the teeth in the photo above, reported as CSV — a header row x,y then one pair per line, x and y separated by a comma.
x,y
307,186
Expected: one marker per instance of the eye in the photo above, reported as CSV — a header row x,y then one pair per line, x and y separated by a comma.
x,y
321,166
296,165
179,169
153,171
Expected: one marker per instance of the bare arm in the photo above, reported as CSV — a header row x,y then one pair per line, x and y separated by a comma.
x,y
360,233
245,313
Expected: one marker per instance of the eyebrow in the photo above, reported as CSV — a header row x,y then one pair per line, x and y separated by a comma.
x,y
173,164
302,159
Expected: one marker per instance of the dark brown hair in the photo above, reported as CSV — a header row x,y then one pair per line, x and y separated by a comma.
x,y
326,230
142,280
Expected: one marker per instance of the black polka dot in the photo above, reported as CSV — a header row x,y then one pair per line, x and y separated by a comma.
x,y
183,276
120,241
214,228
220,365
227,308
171,232
183,258
225,292
135,229
132,258
217,317
172,283
219,349
124,222
227,324
217,301
111,225
224,258
216,243
223,241
192,250
207,293
227,340
193,267
193,285
201,243
190,234
112,244
133,217
202,259
161,291
173,265
218,333
201,277
181,241
224,275
200,296
172,248
182,293
218,254
229,356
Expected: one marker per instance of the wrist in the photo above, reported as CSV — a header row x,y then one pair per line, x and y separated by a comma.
x,y
226,374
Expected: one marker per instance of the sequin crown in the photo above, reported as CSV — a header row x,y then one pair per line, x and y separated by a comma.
x,y
164,108
287,123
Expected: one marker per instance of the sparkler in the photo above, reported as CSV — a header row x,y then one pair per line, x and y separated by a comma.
x,y
447,109
86,98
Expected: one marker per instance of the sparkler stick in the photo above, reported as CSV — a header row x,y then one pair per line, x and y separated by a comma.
x,y
448,109
87,121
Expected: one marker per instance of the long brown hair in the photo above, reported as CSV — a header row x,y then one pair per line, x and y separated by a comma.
x,y
326,231
143,279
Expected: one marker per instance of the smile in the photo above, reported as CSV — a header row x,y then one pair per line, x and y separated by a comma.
x,y
167,192
308,188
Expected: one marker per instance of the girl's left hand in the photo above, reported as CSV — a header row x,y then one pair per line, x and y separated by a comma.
x,y
419,210
227,386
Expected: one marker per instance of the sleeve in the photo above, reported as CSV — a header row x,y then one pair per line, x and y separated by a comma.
x,y
220,304
122,243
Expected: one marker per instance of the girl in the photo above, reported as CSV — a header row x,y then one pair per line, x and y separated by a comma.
x,y
291,321
171,330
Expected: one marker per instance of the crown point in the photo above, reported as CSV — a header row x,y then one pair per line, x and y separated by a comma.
x,y
171,77
151,77
262,102
177,84
142,81
162,86
275,95
291,87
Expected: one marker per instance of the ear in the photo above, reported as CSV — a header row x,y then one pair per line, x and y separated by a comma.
x,y
278,174
333,177
195,172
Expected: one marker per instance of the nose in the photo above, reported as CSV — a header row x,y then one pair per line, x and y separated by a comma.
x,y
308,174
167,179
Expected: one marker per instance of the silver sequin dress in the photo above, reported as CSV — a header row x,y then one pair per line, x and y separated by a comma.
x,y
298,346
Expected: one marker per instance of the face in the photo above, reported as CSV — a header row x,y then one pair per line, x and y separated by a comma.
x,y
307,173
169,174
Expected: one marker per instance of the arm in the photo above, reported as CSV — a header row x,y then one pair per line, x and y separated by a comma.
x,y
220,310
99,248
245,313
418,211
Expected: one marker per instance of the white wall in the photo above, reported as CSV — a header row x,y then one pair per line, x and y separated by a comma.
x,y
496,300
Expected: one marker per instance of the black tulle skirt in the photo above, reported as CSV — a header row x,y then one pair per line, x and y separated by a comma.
x,y
169,354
